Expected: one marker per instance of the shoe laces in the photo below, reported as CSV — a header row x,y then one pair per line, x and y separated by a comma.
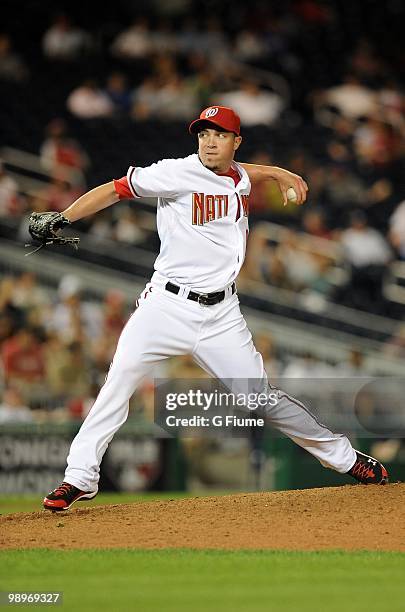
x,y
64,488
362,470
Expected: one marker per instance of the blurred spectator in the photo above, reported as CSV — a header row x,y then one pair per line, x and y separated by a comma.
x,y
88,101
185,367
79,407
260,263
351,100
135,42
365,64
397,229
175,100
118,92
102,352
262,193
340,143
165,96
395,346
201,80
354,364
391,103
163,38
254,105
212,38
7,327
363,244
73,319
249,46
276,36
165,67
11,204
31,300
265,345
23,364
12,67
313,12
313,222
377,143
101,227
127,228
189,37
63,41
145,99
27,294
67,371
61,155
342,188
114,313
13,316
59,194
13,408
367,252
307,367
287,261
265,200
302,268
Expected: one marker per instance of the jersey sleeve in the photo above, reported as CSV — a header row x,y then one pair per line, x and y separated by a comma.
x,y
158,180
243,174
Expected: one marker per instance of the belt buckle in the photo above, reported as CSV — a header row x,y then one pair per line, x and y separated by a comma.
x,y
201,297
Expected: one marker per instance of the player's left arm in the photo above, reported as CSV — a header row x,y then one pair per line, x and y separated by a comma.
x,y
284,178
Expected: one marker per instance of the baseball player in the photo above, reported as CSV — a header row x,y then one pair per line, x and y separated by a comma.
x,y
190,305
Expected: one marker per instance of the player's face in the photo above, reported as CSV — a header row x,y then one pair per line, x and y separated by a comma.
x,y
216,148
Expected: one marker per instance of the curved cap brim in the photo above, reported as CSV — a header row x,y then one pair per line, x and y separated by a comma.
x,y
197,125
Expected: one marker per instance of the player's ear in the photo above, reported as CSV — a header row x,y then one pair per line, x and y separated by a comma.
x,y
236,142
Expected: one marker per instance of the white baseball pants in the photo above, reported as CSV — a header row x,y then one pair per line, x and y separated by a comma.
x,y
165,325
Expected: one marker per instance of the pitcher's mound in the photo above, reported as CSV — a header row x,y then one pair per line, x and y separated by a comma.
x,y
350,517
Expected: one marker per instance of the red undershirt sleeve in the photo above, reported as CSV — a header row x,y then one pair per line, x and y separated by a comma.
x,y
122,189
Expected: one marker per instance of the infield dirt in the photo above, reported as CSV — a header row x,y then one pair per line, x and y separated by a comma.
x,y
352,517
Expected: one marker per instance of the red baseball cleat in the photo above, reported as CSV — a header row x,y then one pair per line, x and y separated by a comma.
x,y
368,470
64,496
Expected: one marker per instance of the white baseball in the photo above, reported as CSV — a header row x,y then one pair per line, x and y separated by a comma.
x,y
291,195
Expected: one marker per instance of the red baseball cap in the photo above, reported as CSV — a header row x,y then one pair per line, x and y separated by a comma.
x,y
221,116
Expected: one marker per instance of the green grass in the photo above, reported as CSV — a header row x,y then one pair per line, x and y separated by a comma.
x,y
211,581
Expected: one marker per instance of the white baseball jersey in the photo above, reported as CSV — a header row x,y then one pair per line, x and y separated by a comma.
x,y
202,220
202,223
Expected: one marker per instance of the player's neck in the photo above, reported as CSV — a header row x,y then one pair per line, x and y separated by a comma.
x,y
222,171
219,170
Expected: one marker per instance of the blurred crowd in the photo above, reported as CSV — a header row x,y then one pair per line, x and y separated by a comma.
x,y
311,97
56,347
336,247
342,127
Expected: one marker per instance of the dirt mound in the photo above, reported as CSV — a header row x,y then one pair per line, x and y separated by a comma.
x,y
350,517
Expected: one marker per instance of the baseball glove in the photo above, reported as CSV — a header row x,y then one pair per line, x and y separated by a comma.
x,y
44,228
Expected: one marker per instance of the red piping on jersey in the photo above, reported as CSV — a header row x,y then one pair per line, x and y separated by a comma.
x,y
233,174
130,183
238,211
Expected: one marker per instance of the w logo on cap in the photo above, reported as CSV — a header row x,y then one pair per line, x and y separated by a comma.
x,y
211,112
221,116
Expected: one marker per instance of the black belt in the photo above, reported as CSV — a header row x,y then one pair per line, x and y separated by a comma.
x,y
205,299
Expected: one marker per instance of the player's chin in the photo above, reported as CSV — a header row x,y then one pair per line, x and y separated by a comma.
x,y
211,164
